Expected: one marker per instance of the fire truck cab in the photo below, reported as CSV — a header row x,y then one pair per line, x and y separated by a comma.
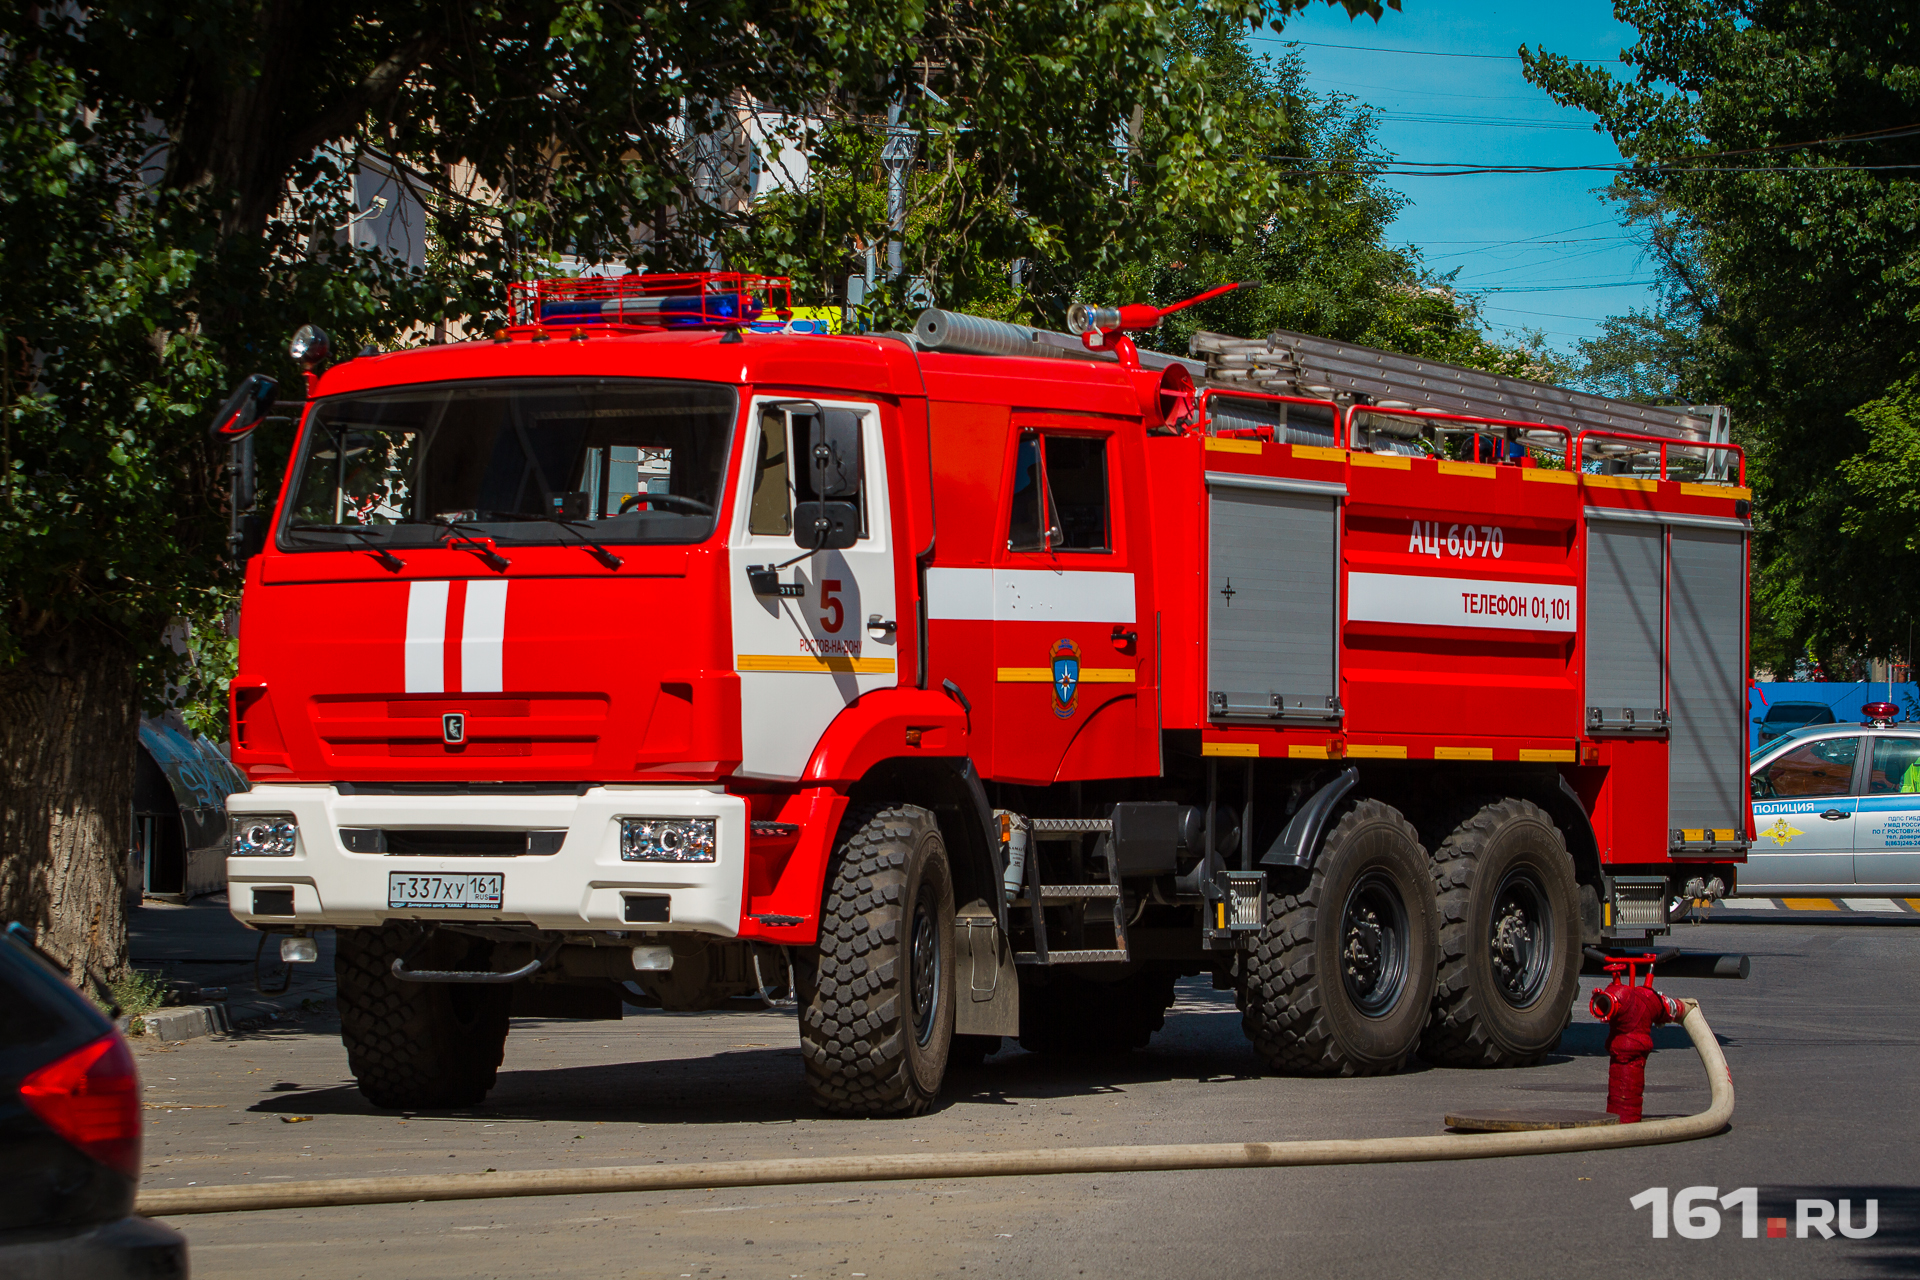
x,y
972,683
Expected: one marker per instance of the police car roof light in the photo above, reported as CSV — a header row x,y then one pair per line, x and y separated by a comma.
x,y
1880,714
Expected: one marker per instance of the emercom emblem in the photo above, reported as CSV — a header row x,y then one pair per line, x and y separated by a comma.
x,y
1066,677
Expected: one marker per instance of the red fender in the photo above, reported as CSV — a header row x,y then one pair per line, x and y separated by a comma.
x,y
884,725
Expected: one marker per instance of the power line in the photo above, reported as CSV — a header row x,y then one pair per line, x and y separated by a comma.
x,y
1556,288
1431,53
1495,121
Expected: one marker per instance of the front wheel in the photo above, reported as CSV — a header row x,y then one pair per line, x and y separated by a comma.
x,y
1509,939
876,1017
1343,973
415,1044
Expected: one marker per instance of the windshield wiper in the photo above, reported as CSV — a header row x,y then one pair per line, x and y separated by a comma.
x,y
477,542
599,552
388,561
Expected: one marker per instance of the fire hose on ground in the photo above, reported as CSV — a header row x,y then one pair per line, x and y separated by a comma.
x,y
984,1164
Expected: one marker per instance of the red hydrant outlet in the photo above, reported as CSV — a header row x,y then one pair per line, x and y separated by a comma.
x,y
1631,1013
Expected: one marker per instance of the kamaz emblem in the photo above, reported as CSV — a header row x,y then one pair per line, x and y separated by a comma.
x,y
453,728
1066,677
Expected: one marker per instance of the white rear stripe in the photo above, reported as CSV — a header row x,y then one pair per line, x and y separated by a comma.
x,y
483,636
426,644
1029,595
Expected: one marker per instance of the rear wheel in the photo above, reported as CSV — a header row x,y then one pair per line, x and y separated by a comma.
x,y
1068,1013
1343,974
876,1012
417,1044
1509,939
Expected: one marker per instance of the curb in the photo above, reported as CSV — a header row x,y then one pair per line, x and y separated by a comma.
x,y
189,1022
185,1022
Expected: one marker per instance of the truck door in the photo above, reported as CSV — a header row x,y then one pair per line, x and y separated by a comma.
x,y
805,653
1065,608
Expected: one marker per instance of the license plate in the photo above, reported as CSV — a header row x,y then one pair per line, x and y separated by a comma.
x,y
478,889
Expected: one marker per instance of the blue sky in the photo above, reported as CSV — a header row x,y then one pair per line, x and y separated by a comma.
x,y
1547,250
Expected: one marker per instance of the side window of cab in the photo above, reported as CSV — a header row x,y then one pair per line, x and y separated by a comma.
x,y
780,476
1061,500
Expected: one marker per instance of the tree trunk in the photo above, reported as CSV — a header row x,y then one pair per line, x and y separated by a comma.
x,y
69,725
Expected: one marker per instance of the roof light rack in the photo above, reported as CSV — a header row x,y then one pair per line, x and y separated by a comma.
x,y
662,300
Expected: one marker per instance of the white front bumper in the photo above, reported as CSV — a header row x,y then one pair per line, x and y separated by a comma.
x,y
582,887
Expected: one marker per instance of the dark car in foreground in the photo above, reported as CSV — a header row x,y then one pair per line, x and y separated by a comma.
x,y
69,1136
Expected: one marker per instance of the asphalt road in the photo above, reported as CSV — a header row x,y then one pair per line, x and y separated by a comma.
x,y
1821,1042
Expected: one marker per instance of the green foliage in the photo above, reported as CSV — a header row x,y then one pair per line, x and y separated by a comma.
x,y
179,178
134,992
1799,264
1231,170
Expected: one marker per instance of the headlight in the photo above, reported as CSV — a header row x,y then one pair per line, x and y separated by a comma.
x,y
668,839
263,835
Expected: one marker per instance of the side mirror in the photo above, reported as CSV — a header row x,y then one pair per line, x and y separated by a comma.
x,y
833,454
826,526
245,407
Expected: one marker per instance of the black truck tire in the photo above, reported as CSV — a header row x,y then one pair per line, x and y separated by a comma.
x,y
1069,1014
1342,978
876,1010
413,1045
1509,939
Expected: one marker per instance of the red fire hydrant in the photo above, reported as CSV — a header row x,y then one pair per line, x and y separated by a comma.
x,y
1631,1013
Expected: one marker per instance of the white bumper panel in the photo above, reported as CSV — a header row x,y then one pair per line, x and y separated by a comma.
x,y
582,887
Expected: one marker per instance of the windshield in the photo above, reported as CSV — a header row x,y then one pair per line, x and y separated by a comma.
x,y
523,460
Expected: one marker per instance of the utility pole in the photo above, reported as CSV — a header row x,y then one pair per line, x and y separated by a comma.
x,y
897,156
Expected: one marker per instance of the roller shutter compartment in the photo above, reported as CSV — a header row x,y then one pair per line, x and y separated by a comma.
x,y
1625,654
1271,601
1707,773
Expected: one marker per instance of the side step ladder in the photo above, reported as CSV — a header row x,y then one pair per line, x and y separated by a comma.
x,y
1037,897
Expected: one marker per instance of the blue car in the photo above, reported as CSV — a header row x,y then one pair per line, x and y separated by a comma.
x,y
1836,810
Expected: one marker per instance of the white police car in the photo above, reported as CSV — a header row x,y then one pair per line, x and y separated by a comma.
x,y
1836,809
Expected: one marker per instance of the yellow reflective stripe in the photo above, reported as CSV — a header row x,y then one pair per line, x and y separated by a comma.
x,y
1319,453
1395,461
1044,675
1217,445
1715,491
811,663
1548,477
1479,470
1463,753
1549,757
1230,749
1644,484
1376,751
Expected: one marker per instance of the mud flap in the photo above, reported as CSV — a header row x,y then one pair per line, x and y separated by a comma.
x,y
986,990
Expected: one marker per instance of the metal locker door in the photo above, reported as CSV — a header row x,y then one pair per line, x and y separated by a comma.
x,y
1707,769
1272,598
1626,643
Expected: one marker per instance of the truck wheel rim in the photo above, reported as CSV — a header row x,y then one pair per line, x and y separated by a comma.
x,y
1520,939
1373,945
925,965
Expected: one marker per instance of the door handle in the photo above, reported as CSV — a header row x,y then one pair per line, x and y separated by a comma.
x,y
878,628
1833,815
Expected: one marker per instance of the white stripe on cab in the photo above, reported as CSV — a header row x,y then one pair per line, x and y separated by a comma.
x,y
483,635
426,643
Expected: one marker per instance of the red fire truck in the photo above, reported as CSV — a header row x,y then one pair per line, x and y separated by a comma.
x,y
972,683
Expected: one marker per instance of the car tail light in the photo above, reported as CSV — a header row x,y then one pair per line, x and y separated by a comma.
x,y
91,1098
